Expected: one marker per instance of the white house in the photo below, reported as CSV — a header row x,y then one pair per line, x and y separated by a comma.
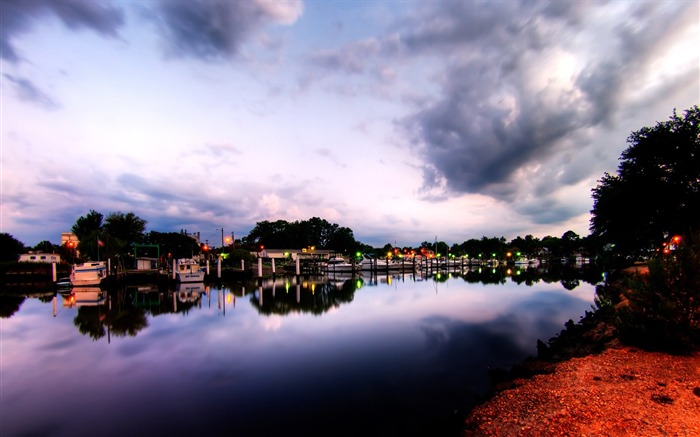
x,y
40,258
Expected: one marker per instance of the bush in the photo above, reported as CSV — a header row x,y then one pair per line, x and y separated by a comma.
x,y
662,308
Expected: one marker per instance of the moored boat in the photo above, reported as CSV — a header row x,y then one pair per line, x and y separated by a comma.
x,y
88,274
339,265
371,264
187,270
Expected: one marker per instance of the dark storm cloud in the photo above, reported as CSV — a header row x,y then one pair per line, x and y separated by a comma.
x,y
212,30
490,120
19,16
524,89
477,145
27,91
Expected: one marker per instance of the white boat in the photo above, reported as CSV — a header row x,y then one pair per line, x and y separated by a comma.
x,y
371,264
88,274
339,265
187,270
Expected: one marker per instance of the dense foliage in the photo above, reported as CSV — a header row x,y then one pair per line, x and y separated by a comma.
x,y
116,234
173,244
656,191
315,232
659,310
10,248
651,208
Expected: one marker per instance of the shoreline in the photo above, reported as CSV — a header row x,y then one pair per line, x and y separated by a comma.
x,y
584,381
621,391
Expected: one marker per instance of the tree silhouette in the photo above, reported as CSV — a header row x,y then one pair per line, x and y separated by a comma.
x,y
656,191
10,248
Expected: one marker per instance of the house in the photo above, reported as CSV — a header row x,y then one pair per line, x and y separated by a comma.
x,y
40,258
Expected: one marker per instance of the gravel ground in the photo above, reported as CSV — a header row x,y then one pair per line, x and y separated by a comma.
x,y
620,392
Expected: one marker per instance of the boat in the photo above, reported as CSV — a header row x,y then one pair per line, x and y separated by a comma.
x,y
339,265
187,270
88,274
63,283
372,264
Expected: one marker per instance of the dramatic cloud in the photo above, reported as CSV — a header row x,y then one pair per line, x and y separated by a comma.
x,y
521,81
18,16
212,30
521,88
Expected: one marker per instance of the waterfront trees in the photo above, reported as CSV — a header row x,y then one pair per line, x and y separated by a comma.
x,y
122,230
10,248
315,232
173,244
88,229
656,191
116,233
654,199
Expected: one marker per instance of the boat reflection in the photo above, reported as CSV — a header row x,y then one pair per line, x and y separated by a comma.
x,y
84,296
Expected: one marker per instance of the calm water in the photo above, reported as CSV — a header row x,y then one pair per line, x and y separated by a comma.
x,y
372,356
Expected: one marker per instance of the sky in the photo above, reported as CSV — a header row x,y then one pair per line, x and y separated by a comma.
x,y
404,121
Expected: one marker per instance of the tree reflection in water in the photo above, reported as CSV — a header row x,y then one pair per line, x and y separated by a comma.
x,y
126,311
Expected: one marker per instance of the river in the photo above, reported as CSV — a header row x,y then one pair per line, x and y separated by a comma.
x,y
379,355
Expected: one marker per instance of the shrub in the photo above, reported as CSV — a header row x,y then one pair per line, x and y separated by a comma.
x,y
662,308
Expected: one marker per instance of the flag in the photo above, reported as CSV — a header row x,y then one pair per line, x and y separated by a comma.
x,y
100,243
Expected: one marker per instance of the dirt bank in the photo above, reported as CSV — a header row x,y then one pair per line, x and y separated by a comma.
x,y
619,392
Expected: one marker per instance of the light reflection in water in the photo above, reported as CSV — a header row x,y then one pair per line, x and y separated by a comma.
x,y
376,355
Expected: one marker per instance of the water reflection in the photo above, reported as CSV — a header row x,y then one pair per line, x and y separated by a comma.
x,y
341,355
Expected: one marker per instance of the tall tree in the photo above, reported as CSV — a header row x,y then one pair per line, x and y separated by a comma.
x,y
123,230
46,247
175,244
10,248
88,229
656,191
